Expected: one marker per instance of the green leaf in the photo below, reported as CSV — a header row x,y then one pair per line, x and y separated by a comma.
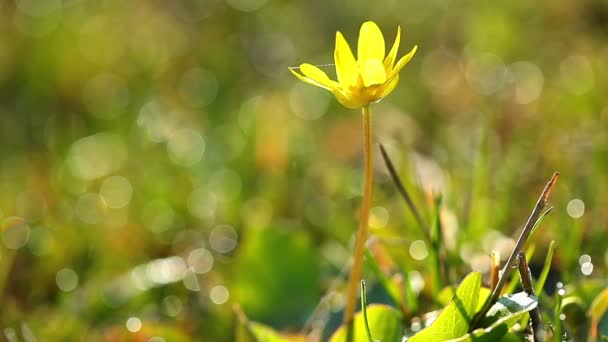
x,y
247,331
455,318
509,305
501,316
276,277
448,292
384,321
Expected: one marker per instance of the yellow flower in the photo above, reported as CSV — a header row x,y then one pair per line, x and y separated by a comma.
x,y
368,79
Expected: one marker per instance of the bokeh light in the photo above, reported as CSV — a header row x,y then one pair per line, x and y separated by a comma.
x,y
15,232
66,279
576,208
133,324
219,294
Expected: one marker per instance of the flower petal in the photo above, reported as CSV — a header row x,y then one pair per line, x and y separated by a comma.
x,y
313,75
372,72
346,65
392,55
347,99
389,87
371,42
402,62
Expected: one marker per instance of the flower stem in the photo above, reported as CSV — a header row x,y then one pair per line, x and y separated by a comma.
x,y
355,273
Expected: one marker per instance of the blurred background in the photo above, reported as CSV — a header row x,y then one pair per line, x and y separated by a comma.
x,y
158,162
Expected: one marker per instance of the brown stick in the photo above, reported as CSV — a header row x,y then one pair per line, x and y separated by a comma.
x,y
510,265
526,283
494,269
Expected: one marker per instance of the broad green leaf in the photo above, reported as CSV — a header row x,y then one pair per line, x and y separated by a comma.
x,y
510,305
455,318
384,322
256,332
448,293
276,277
247,331
265,333
506,312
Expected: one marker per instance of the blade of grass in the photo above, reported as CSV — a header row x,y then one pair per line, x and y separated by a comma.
x,y
540,283
371,262
364,309
404,193
435,254
540,219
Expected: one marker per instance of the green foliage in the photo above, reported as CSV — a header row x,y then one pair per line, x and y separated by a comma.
x,y
276,277
384,322
509,308
453,322
454,319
